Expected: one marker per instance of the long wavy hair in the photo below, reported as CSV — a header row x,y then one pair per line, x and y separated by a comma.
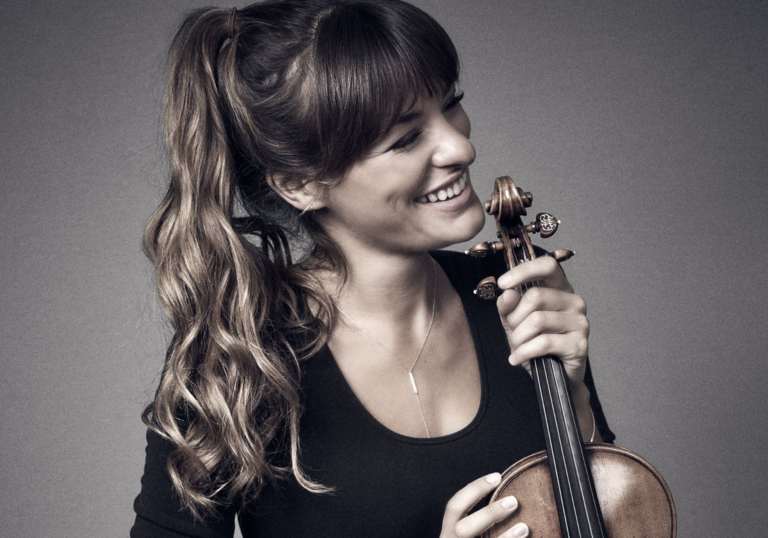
x,y
296,88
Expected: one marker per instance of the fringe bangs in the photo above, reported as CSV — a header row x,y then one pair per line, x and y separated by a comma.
x,y
373,63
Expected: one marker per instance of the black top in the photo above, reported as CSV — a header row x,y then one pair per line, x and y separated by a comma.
x,y
386,484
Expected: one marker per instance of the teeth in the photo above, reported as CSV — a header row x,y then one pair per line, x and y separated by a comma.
x,y
445,194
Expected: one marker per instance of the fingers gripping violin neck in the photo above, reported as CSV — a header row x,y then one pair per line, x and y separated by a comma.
x,y
572,490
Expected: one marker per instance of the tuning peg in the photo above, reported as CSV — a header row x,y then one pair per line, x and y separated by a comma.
x,y
561,255
526,197
481,250
487,288
545,224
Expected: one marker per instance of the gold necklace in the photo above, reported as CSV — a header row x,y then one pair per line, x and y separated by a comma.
x,y
418,355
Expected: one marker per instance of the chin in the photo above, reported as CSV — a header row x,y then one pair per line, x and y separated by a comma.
x,y
467,225
474,217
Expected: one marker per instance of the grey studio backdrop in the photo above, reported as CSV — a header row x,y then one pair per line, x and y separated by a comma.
x,y
642,125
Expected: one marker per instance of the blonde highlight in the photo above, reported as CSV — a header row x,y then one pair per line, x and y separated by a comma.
x,y
230,385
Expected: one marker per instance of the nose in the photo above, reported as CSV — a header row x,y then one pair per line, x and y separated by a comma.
x,y
453,148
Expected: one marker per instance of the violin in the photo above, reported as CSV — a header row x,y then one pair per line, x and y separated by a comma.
x,y
572,489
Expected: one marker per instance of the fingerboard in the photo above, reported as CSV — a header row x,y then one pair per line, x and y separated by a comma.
x,y
577,504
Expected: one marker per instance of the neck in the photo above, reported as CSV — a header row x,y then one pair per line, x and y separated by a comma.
x,y
380,288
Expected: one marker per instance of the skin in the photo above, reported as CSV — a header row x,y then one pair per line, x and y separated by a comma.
x,y
374,215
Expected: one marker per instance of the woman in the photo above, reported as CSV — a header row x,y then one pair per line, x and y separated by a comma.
x,y
363,390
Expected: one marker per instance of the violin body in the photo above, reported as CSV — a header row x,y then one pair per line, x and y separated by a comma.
x,y
634,499
571,490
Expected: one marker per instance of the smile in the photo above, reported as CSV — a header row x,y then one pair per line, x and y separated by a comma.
x,y
445,193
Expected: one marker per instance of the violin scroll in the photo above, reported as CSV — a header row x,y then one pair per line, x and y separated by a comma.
x,y
507,204
507,201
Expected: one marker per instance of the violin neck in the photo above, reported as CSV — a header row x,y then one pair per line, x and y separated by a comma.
x,y
572,482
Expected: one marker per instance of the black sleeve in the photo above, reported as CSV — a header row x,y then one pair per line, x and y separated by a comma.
x,y
159,512
597,408
600,421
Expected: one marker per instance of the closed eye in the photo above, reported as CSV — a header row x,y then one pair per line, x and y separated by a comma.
x,y
411,138
407,141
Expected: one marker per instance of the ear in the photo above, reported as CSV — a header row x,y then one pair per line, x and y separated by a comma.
x,y
301,193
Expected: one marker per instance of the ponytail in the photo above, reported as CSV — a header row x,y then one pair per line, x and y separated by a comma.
x,y
229,392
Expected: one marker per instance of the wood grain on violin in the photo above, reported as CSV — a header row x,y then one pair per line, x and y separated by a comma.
x,y
569,490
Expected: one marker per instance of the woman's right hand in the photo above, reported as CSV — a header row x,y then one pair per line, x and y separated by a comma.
x,y
456,522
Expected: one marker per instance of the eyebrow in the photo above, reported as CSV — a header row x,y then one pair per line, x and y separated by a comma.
x,y
409,117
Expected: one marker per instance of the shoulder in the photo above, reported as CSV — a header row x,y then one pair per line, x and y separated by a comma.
x,y
463,262
160,511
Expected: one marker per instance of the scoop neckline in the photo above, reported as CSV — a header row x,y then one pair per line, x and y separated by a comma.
x,y
358,406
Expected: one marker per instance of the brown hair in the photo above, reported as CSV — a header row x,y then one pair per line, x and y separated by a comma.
x,y
301,89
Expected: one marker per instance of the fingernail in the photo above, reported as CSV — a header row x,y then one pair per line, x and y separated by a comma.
x,y
520,530
512,359
509,503
502,281
493,478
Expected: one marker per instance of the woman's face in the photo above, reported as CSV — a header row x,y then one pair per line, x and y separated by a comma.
x,y
411,192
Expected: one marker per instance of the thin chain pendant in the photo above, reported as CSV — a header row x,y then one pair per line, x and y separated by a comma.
x,y
395,357
413,383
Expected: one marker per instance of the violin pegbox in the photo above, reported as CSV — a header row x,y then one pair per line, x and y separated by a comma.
x,y
507,204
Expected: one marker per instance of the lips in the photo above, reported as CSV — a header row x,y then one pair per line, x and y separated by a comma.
x,y
444,193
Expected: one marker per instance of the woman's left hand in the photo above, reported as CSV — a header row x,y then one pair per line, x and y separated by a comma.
x,y
549,319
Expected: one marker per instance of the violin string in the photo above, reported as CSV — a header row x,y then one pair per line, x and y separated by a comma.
x,y
535,364
548,373
547,427
573,449
577,451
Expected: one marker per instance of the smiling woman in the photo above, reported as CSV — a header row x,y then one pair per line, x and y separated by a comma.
x,y
379,203
349,392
